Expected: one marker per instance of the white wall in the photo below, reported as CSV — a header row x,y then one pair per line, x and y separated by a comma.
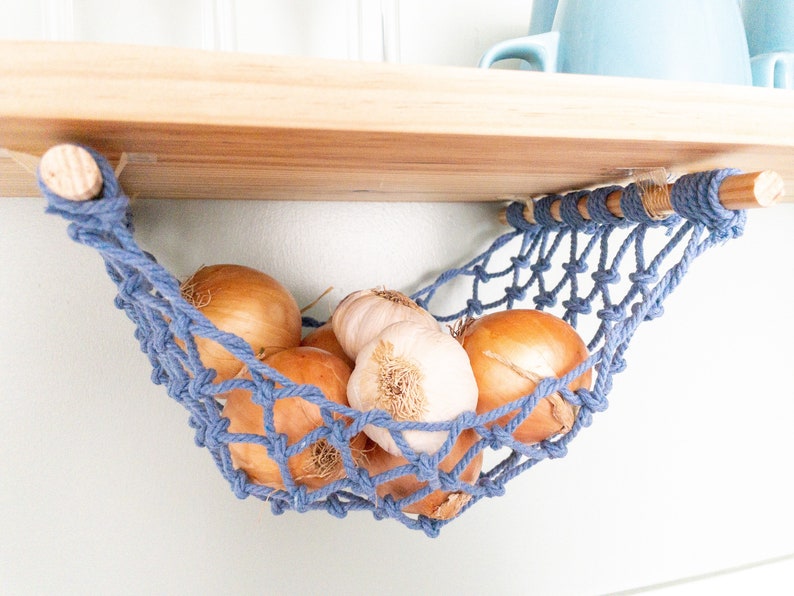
x,y
104,492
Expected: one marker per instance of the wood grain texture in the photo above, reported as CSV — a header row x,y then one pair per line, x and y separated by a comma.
x,y
225,125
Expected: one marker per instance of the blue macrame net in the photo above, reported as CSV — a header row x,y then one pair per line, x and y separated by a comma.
x,y
604,276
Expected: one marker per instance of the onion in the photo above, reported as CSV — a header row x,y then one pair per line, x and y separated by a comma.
x,y
248,303
362,315
320,463
323,338
439,504
510,352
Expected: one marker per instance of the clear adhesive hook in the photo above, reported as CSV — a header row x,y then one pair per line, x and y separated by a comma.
x,y
374,30
58,20
219,27
390,28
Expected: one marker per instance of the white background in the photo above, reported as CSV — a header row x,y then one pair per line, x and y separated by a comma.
x,y
102,490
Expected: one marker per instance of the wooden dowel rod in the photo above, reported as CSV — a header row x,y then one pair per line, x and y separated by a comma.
x,y
741,191
71,172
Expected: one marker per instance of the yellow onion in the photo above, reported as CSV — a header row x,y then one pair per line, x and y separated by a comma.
x,y
323,338
439,504
510,352
320,463
362,315
248,303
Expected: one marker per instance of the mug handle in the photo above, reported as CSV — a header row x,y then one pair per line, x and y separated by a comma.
x,y
773,70
540,51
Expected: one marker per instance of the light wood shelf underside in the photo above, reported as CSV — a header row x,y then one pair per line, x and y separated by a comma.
x,y
198,124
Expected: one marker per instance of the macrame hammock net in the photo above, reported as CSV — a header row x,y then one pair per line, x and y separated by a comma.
x,y
604,276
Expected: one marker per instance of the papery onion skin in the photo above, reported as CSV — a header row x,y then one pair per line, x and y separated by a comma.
x,y
510,352
439,504
362,315
324,338
414,373
293,416
247,302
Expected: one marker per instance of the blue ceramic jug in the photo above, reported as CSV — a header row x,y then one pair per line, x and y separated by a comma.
x,y
770,36
701,40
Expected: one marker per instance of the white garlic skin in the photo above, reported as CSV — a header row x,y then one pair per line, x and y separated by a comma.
x,y
445,381
362,315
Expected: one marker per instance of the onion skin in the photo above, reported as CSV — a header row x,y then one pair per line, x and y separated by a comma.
x,y
510,351
439,504
248,303
293,416
324,338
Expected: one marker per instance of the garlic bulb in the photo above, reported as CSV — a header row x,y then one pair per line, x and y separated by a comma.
x,y
414,373
362,315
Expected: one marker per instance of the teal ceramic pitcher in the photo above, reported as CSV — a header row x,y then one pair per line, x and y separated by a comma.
x,y
770,36
701,40
542,17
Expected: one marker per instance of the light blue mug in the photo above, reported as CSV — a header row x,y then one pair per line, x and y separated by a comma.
x,y
770,37
694,40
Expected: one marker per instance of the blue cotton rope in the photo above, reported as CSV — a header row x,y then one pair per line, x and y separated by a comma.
x,y
604,273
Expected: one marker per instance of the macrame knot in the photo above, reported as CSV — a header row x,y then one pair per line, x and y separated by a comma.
x,y
544,300
159,337
593,401
643,277
653,310
542,265
555,449
429,526
617,365
301,501
612,313
276,445
491,488
239,481
201,430
363,481
515,294
607,276
133,286
337,435
335,506
481,273
426,470
278,506
212,434
447,481
474,307
577,305
390,507
160,376
498,437
521,261
575,267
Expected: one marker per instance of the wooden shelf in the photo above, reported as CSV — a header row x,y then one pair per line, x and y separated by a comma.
x,y
197,124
